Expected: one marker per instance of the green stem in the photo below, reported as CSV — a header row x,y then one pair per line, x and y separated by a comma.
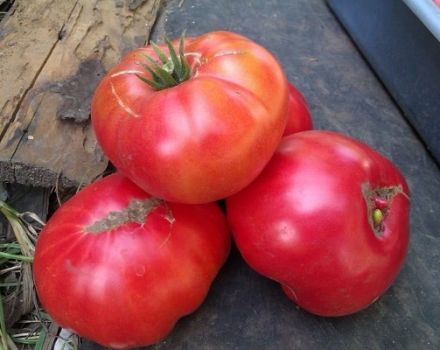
x,y
170,70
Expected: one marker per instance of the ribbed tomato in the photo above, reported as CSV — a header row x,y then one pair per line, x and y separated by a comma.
x,y
202,137
120,267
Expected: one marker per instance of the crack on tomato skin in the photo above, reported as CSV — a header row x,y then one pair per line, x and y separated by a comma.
x,y
170,218
380,199
124,72
207,60
200,60
167,238
121,103
229,53
136,211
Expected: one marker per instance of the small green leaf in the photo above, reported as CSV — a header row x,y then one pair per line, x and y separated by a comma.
x,y
176,62
153,84
185,72
184,63
163,75
152,61
150,70
181,45
166,77
159,53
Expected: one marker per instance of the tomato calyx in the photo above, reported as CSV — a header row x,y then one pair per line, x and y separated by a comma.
x,y
136,211
378,202
170,71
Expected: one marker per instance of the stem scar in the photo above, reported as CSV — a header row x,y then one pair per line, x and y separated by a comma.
x,y
136,211
378,202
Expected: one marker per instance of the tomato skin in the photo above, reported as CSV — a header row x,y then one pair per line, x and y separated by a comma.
x,y
305,222
128,286
203,139
298,114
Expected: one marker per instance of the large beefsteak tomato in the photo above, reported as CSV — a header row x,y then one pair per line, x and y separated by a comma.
x,y
203,139
120,267
327,219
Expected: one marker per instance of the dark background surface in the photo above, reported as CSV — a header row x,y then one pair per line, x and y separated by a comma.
x,y
246,311
405,55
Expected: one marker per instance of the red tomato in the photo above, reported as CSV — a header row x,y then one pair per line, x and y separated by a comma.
x,y
120,267
203,139
298,115
327,219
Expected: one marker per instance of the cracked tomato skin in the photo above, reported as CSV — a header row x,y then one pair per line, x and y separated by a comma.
x,y
307,222
298,114
126,287
201,140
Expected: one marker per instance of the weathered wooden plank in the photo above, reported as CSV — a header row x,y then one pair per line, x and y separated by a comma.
x,y
50,137
27,37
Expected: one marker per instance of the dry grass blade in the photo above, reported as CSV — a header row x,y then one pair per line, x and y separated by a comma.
x,y
5,340
17,293
19,228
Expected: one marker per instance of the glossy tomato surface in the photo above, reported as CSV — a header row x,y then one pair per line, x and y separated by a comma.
x,y
298,114
203,139
327,219
120,267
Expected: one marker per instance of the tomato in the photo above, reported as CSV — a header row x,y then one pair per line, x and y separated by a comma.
x,y
120,267
327,219
203,139
298,115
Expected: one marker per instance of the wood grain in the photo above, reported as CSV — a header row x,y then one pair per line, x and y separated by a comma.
x,y
53,55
